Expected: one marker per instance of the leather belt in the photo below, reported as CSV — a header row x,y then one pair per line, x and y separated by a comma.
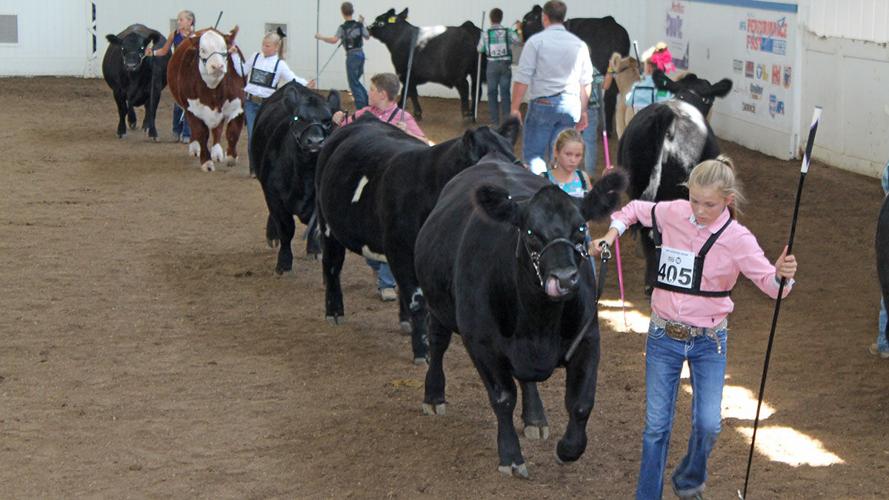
x,y
255,99
681,331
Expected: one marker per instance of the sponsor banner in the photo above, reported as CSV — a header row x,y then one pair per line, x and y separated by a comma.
x,y
674,29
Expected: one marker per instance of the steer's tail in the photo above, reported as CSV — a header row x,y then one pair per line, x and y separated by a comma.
x,y
605,195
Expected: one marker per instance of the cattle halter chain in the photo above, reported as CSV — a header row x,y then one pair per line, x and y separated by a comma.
x,y
580,248
325,129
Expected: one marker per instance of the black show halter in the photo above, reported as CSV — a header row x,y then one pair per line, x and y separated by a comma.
x,y
580,248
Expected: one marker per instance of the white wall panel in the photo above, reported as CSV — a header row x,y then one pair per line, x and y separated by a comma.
x,y
53,38
866,20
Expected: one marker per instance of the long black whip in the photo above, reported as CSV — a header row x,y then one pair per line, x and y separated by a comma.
x,y
407,77
215,26
816,117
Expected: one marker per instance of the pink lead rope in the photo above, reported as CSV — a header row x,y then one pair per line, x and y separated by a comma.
x,y
620,272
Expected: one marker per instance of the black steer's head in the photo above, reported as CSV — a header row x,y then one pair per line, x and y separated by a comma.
x,y
532,23
693,90
132,48
311,118
387,25
552,228
483,140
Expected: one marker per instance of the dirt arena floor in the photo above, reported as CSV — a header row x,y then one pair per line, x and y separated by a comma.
x,y
148,350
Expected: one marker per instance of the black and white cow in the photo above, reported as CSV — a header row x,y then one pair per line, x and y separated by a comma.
x,y
882,246
603,36
664,141
501,260
443,54
375,186
135,79
290,128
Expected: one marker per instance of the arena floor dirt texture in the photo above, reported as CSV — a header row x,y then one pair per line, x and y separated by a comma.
x,y
148,350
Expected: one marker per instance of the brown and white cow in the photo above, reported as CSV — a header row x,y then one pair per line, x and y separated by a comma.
x,y
204,82
626,73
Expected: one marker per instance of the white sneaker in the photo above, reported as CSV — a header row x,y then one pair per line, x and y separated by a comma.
x,y
388,295
875,350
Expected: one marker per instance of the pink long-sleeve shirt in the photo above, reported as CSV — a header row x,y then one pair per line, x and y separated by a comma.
x,y
735,251
384,114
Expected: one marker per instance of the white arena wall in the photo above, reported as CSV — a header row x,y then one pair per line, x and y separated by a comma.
x,y
829,53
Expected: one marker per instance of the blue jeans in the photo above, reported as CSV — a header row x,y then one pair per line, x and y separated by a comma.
x,y
354,70
547,116
250,111
384,274
180,122
882,344
663,364
499,76
590,140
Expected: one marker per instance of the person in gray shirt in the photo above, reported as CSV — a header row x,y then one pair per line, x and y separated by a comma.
x,y
352,34
556,72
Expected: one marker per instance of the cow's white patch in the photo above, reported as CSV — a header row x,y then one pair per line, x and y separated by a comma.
x,y
208,166
216,153
206,114
428,33
683,143
231,109
359,189
415,299
365,251
212,58
194,149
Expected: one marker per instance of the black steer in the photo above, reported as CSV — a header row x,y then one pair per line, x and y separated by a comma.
x,y
375,186
501,262
882,244
663,142
290,128
135,80
603,36
443,54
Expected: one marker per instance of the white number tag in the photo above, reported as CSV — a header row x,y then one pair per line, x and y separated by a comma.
x,y
498,49
676,267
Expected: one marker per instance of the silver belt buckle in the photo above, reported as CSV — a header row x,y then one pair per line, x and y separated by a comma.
x,y
677,331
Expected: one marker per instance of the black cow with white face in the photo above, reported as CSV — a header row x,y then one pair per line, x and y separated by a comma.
x,y
290,129
135,79
603,36
376,185
664,141
502,262
443,54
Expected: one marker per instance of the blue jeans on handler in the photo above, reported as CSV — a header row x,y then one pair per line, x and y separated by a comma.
x,y
180,123
664,357
384,274
882,344
590,140
499,76
547,116
354,70
251,109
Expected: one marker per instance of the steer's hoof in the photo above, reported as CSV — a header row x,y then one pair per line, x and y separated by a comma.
x,y
405,327
231,161
536,432
194,149
217,154
430,409
420,360
519,471
208,166
288,274
336,320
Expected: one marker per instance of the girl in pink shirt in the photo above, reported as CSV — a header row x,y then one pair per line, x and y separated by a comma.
x,y
701,251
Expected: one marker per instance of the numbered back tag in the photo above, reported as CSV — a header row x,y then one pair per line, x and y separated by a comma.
x,y
676,268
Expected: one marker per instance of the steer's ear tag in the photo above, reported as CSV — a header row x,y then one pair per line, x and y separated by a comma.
x,y
295,118
582,228
392,19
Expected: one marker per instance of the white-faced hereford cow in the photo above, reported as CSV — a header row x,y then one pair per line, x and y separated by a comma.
x,y
502,262
204,82
375,187
664,141
290,128
443,54
603,36
135,79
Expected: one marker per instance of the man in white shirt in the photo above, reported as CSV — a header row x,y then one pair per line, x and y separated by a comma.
x,y
556,71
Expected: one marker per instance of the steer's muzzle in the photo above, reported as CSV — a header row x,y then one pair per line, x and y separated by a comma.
x,y
562,283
